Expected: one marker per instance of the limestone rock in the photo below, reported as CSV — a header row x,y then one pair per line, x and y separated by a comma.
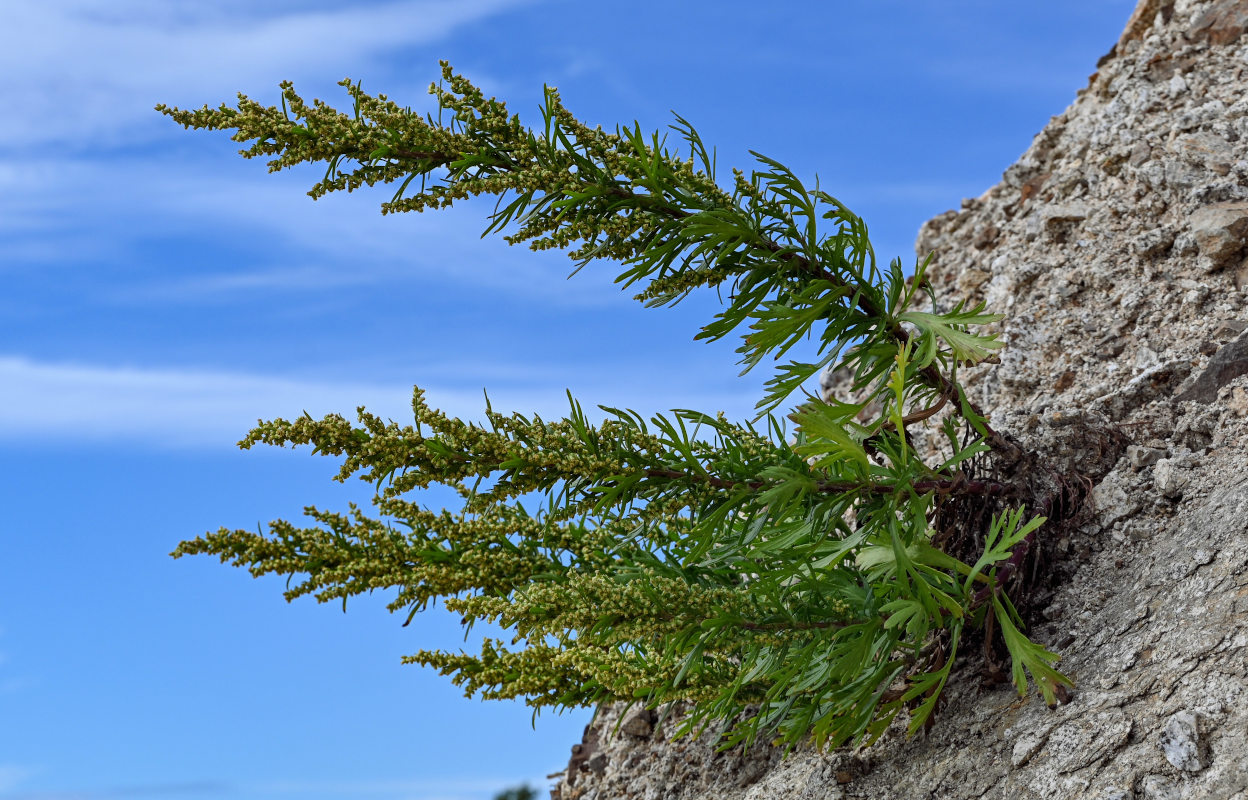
x,y
639,723
1169,479
1221,232
1222,23
1142,457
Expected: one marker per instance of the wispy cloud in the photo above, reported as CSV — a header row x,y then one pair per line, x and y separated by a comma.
x,y
189,408
173,407
78,211
92,71
78,186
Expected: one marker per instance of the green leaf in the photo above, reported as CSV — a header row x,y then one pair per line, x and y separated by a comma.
x,y
1003,534
829,438
930,684
1029,658
951,328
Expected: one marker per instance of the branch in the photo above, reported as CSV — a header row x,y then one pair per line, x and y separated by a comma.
x,y
798,626
941,486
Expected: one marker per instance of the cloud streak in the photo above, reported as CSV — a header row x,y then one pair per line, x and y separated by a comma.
x,y
107,65
183,408
82,211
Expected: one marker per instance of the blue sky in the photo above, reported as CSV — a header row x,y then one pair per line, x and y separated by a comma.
x,y
161,294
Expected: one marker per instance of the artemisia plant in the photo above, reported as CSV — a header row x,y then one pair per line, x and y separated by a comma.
x,y
792,587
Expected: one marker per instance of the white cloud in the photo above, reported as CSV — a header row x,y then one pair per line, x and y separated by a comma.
x,y
174,407
199,408
92,72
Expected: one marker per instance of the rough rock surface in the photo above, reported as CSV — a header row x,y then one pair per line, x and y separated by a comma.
x,y
1117,246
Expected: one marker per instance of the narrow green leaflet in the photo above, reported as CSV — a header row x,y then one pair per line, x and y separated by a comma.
x,y
952,329
1028,658
1005,532
829,438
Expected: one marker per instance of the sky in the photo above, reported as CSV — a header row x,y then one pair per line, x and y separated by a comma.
x,y
161,294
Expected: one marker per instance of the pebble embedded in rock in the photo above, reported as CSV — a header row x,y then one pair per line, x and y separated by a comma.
x,y
638,724
1221,232
1180,742
1158,787
1141,457
1169,479
1026,747
1227,364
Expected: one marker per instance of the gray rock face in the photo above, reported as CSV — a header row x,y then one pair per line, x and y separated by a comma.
x,y
1117,248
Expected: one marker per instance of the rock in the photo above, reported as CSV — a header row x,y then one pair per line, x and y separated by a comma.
x,y
1227,364
986,237
1237,404
972,279
1180,742
1083,742
1141,457
1221,232
1154,243
1058,214
1221,24
639,723
1228,330
1156,380
1158,787
1206,149
1026,747
1112,501
1059,221
1169,479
